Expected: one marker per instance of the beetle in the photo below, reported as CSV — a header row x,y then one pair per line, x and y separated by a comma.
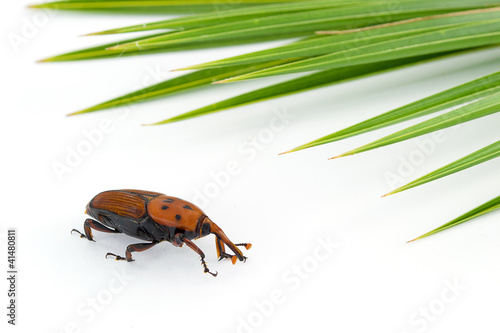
x,y
155,217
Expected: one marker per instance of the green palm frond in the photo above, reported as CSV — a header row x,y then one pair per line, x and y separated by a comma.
x,y
305,83
228,16
359,38
459,37
453,97
183,83
474,110
349,39
153,6
486,208
482,155
303,23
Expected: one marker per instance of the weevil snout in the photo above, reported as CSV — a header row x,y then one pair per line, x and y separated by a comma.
x,y
221,239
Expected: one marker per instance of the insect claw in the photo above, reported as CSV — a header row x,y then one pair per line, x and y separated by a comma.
x,y
206,270
231,257
114,255
81,235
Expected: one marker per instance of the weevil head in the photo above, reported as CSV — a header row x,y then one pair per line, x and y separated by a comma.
x,y
206,227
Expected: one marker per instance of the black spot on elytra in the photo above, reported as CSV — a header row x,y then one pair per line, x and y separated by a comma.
x,y
187,207
169,200
164,207
177,217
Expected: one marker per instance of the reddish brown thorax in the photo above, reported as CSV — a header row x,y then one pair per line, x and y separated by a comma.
x,y
175,212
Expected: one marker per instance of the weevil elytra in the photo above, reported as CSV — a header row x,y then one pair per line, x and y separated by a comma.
x,y
155,217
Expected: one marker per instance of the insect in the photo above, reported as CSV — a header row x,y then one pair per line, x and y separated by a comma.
x,y
155,217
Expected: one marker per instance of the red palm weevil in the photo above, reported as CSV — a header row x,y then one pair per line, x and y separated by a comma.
x,y
155,217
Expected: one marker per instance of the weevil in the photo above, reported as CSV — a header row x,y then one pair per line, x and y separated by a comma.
x,y
155,217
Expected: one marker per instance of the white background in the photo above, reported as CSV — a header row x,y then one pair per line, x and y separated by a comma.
x,y
285,205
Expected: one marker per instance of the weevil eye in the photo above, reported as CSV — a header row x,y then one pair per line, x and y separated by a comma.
x,y
205,229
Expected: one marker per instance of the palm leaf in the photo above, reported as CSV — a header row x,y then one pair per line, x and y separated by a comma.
x,y
348,39
107,51
483,155
303,23
301,84
179,84
470,35
488,207
474,110
99,52
231,15
152,6
456,96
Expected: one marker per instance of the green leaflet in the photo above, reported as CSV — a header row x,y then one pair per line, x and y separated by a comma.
x,y
230,15
474,110
481,210
153,6
301,84
464,93
182,83
98,52
304,23
470,35
360,37
106,51
483,155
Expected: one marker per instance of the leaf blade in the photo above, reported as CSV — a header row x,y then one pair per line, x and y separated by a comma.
x,y
462,37
150,6
481,156
303,24
342,41
452,97
228,15
474,110
168,87
485,208
300,84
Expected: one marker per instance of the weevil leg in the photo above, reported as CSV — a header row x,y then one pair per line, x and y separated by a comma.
x,y
247,246
221,251
219,245
219,234
192,246
139,247
89,223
